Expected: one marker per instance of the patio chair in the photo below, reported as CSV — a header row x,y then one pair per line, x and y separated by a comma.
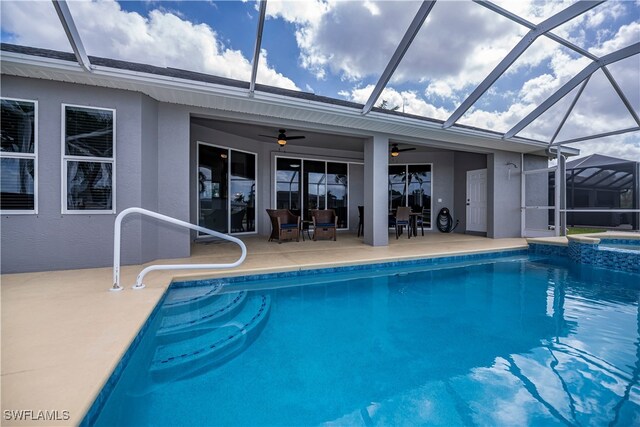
x,y
360,220
420,218
402,219
325,223
284,225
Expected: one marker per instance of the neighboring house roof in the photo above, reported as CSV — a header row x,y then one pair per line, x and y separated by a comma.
x,y
594,161
601,172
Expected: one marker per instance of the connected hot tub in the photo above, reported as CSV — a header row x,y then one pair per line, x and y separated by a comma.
x,y
622,254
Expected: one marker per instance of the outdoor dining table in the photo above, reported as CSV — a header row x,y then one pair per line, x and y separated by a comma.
x,y
413,220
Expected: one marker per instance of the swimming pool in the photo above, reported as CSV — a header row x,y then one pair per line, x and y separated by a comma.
x,y
516,340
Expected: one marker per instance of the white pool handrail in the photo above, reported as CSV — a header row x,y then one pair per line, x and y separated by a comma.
x,y
139,284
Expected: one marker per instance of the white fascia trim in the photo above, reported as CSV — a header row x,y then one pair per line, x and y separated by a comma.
x,y
160,81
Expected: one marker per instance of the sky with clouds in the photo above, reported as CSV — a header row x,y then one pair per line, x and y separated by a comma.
x,y
339,49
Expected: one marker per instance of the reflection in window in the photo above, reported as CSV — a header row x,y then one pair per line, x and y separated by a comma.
x,y
315,180
419,186
288,183
89,186
337,188
212,182
243,191
410,185
227,189
17,184
89,141
397,190
18,155
326,186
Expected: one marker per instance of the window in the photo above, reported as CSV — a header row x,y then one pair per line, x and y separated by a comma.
x,y
88,159
19,156
410,185
302,185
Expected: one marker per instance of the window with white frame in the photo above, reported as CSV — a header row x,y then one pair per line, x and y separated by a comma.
x,y
19,156
88,159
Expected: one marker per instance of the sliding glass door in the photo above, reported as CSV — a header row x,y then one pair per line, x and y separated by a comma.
x,y
302,185
410,185
226,189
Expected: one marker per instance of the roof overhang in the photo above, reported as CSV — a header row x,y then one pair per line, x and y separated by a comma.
x,y
236,103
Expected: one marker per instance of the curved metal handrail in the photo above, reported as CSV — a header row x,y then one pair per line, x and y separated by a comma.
x,y
139,284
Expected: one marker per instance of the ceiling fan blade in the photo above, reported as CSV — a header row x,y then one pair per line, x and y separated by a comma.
x,y
268,136
406,149
289,138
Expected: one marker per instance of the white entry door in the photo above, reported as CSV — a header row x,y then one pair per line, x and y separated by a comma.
x,y
477,200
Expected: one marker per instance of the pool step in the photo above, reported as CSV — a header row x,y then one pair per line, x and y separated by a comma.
x,y
223,342
220,308
183,300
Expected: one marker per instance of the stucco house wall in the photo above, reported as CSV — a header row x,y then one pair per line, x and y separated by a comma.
x,y
155,168
51,240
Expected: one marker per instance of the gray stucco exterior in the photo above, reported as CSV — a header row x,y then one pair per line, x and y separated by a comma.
x,y
156,169
51,240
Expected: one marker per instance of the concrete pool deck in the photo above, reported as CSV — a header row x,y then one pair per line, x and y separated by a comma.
x,y
63,332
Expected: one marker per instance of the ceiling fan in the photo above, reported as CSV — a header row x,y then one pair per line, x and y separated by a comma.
x,y
395,151
283,138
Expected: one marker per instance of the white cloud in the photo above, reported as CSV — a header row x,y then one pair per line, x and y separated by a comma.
x,y
299,12
372,7
163,38
45,30
625,36
406,101
350,39
534,11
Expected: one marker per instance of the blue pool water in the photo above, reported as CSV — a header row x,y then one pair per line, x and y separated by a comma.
x,y
513,341
631,245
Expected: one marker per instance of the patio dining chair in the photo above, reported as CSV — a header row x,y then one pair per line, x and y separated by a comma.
x,y
402,219
421,216
325,223
284,225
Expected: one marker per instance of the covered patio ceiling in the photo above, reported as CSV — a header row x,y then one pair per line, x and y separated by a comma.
x,y
599,73
324,140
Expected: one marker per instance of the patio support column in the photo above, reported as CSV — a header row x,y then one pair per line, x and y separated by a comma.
x,y
376,205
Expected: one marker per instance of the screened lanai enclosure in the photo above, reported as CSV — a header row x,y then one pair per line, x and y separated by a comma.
x,y
602,191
